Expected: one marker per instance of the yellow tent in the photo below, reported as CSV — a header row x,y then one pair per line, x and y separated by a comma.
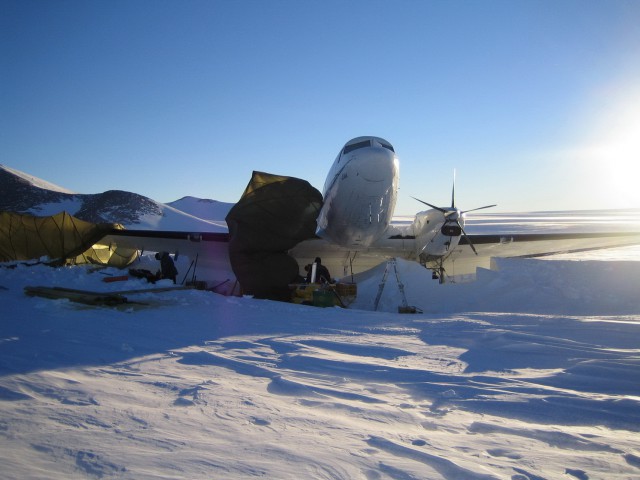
x,y
60,237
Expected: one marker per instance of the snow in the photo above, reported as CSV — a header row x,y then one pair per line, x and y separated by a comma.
x,y
70,205
177,220
532,371
203,208
37,182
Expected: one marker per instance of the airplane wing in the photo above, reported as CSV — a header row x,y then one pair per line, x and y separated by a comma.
x,y
542,244
208,251
212,249
167,241
461,260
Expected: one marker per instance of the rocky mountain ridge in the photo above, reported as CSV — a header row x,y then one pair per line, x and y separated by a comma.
x,y
22,193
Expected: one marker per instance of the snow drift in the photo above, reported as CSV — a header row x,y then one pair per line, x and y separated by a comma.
x,y
531,372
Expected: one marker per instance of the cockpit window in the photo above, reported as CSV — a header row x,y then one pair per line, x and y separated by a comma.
x,y
356,146
387,146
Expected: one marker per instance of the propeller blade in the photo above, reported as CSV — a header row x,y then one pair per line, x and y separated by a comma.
x,y
453,190
432,206
479,208
464,234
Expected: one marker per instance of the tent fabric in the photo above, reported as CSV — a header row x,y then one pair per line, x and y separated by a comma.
x,y
60,237
108,255
274,214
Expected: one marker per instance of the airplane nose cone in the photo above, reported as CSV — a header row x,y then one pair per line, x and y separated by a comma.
x,y
377,166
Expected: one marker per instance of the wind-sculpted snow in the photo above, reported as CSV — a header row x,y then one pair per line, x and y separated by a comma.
x,y
190,384
203,208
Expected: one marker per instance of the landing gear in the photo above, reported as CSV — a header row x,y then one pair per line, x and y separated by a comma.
x,y
438,273
436,265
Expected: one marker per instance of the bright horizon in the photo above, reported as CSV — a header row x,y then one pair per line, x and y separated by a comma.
x,y
535,104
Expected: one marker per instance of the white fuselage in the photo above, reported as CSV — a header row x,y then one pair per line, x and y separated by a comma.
x,y
360,193
359,200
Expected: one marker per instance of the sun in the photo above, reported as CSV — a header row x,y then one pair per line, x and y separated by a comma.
x,y
610,155
619,159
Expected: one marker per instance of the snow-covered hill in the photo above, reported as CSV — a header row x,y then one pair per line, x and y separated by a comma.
x,y
22,193
203,208
35,181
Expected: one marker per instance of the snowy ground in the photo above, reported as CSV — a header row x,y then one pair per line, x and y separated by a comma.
x,y
530,372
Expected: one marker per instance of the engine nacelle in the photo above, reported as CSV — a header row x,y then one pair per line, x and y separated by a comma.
x,y
451,230
435,236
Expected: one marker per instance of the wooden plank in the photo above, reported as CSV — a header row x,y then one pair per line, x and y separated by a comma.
x,y
121,278
93,298
152,290
79,296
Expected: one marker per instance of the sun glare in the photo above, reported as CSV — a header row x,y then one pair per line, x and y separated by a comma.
x,y
610,157
619,159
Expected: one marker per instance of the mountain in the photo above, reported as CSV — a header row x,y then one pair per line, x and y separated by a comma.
x,y
20,193
23,193
35,181
203,208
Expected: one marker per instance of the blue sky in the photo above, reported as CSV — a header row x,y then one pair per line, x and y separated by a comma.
x,y
536,104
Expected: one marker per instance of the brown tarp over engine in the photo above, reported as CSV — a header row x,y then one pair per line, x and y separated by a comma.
x,y
60,237
274,214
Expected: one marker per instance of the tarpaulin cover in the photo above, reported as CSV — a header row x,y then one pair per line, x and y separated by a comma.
x,y
58,237
274,214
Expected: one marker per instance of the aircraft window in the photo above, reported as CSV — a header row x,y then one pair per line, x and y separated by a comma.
x,y
356,146
388,147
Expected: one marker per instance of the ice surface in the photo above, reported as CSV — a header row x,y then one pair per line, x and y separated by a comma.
x,y
532,371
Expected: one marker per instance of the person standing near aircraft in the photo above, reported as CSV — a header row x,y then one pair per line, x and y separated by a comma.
x,y
167,267
322,272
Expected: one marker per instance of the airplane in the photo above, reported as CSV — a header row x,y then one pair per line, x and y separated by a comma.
x,y
360,194
350,226
356,230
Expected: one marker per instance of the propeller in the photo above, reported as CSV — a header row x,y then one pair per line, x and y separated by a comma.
x,y
452,215
440,209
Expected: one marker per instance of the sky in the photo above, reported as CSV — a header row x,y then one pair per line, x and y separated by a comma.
x,y
535,104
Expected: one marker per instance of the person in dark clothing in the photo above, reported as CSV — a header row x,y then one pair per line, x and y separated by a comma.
x,y
307,276
322,272
167,267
